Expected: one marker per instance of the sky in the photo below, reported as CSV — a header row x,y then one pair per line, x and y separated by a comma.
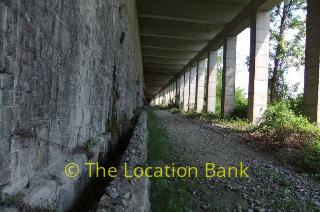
x,y
242,74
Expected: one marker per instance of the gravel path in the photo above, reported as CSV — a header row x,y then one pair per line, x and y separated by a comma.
x,y
270,187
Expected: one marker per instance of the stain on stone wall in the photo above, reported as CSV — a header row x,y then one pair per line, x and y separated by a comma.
x,y
69,71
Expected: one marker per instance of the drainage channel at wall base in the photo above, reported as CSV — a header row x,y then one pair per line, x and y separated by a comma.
x,y
92,193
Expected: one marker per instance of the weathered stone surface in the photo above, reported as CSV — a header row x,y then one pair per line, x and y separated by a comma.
x,y
69,71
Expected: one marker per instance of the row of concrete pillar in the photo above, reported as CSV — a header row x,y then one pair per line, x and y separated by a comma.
x,y
195,87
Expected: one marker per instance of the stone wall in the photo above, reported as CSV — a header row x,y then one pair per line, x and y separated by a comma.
x,y
69,71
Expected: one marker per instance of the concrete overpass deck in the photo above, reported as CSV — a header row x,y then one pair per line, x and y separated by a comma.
x,y
174,34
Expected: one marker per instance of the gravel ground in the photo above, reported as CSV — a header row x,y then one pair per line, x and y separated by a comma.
x,y
271,186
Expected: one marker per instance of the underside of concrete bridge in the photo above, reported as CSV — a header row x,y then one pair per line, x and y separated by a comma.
x,y
174,33
178,35
180,40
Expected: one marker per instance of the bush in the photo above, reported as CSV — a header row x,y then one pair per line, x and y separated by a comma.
x,y
279,116
296,104
175,110
241,105
283,128
208,117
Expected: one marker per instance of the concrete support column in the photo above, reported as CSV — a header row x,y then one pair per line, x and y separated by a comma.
x,y
212,81
167,96
311,106
177,91
258,69
228,77
193,87
171,92
162,98
186,90
174,91
202,71
174,84
181,88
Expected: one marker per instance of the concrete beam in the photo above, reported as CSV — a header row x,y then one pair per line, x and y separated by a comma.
x,y
168,53
172,43
172,37
228,76
165,60
168,48
165,57
162,66
311,106
153,80
158,73
199,11
178,29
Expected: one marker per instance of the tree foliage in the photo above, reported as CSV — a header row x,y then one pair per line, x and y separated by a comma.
x,y
287,37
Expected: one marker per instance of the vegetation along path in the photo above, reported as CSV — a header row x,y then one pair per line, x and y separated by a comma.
x,y
174,138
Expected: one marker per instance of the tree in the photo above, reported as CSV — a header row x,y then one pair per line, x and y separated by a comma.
x,y
287,44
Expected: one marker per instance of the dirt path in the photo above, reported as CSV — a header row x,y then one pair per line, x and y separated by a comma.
x,y
270,187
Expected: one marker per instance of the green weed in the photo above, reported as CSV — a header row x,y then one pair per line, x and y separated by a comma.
x,y
90,143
